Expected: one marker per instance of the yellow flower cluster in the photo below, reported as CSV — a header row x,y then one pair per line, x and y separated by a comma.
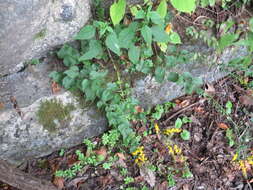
x,y
243,163
157,129
176,153
174,150
172,131
141,158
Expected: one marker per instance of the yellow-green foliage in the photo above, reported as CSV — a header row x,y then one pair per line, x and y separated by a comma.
x,y
52,111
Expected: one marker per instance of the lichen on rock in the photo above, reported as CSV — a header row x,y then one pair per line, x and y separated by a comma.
x,y
53,114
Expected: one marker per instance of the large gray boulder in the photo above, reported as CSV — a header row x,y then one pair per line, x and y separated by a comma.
x,y
30,28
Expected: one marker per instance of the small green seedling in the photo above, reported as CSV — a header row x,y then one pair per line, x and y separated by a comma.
x,y
230,137
128,180
229,106
62,152
185,135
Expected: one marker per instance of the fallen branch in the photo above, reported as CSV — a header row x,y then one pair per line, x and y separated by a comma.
x,y
21,180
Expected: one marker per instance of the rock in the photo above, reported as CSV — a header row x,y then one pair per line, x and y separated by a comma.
x,y
23,135
149,92
30,28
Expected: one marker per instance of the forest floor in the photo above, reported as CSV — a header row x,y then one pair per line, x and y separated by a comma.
x,y
215,153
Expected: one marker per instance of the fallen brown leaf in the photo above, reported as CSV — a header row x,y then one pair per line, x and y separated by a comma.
x,y
139,109
184,103
55,87
59,182
222,126
246,100
148,176
120,155
102,151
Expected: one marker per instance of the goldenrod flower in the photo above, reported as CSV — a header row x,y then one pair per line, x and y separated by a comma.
x,y
243,168
168,28
235,157
141,158
174,150
171,131
157,129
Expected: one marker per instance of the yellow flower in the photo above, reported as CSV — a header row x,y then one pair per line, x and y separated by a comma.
x,y
235,157
171,131
243,168
157,129
174,150
168,28
141,158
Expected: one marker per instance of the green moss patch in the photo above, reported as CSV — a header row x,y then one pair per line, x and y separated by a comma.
x,y
52,112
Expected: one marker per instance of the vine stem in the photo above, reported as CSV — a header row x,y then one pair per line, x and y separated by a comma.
x,y
117,72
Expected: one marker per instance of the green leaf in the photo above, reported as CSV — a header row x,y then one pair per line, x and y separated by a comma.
x,y
134,54
159,34
86,33
187,6
173,77
117,11
56,76
146,33
112,43
84,85
156,18
126,37
178,123
185,135
159,74
162,9
67,82
227,40
72,74
94,51
175,38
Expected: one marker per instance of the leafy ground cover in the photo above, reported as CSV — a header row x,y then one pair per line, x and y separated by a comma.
x,y
201,142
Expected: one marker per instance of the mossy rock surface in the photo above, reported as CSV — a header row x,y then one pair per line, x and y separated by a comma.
x,y
52,113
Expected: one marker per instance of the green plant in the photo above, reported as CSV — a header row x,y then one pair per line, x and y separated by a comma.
x,y
62,152
107,165
185,135
123,171
171,180
33,62
229,106
230,137
111,138
128,180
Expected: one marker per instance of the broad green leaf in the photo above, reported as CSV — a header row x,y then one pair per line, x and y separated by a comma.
x,y
178,123
185,135
227,40
85,84
67,82
173,77
117,11
159,35
112,43
159,74
126,37
155,18
86,33
134,54
162,9
134,10
187,6
73,72
140,14
146,33
95,50
56,76
211,2
175,38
